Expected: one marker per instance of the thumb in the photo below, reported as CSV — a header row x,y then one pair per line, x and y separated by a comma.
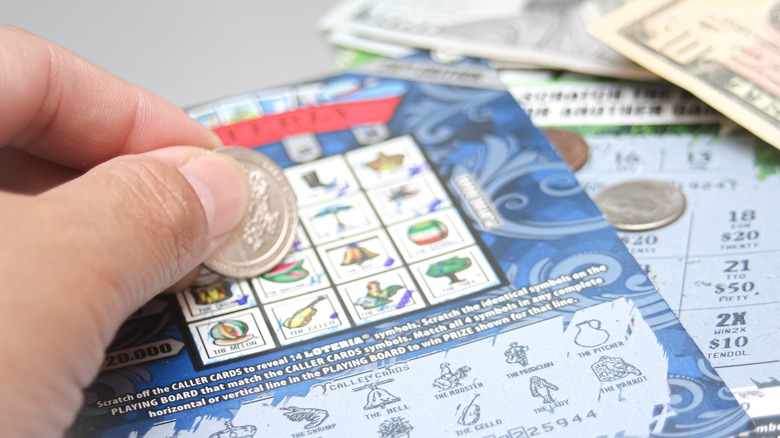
x,y
80,258
141,222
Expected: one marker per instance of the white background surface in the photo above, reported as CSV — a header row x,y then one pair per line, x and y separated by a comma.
x,y
187,51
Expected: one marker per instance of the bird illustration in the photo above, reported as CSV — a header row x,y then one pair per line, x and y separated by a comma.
x,y
376,296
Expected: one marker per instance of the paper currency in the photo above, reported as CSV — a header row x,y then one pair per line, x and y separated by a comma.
x,y
545,33
725,52
267,233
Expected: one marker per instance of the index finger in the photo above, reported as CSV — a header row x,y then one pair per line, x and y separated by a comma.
x,y
60,107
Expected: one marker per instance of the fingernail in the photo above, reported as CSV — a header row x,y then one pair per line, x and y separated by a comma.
x,y
223,190
214,141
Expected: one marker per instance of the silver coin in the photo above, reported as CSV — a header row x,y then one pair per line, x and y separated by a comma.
x,y
641,205
267,233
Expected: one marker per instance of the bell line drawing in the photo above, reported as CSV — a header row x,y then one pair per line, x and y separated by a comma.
x,y
377,397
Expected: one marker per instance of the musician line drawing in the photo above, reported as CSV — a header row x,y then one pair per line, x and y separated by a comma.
x,y
516,354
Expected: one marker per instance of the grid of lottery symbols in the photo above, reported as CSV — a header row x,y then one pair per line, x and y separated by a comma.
x,y
381,239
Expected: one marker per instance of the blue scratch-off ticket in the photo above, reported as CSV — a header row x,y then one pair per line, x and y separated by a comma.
x,y
450,278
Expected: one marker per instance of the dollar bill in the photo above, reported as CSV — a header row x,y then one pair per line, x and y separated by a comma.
x,y
543,33
726,52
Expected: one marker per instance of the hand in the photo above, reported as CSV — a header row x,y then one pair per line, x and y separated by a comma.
x,y
97,215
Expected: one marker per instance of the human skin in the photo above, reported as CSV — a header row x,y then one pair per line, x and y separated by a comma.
x,y
108,195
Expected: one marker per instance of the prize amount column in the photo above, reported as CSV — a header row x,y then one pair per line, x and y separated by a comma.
x,y
730,303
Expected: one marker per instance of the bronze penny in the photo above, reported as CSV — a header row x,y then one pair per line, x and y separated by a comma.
x,y
571,146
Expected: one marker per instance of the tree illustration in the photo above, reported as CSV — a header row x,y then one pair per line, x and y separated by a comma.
x,y
448,268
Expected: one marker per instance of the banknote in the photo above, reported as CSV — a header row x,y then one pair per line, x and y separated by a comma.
x,y
367,45
353,50
725,52
544,33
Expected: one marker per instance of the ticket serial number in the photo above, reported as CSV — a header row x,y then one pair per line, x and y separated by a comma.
x,y
550,426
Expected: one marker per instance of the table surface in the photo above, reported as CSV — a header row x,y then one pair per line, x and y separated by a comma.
x,y
188,52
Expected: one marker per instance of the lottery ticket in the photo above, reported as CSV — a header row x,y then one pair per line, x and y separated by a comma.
x,y
450,277
716,265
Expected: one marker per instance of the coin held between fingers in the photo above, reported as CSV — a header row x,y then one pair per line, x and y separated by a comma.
x,y
268,230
